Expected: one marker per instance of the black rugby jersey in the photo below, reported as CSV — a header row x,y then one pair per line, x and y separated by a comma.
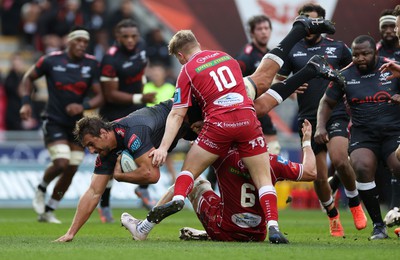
x,y
139,132
68,81
249,58
128,67
388,52
367,96
336,53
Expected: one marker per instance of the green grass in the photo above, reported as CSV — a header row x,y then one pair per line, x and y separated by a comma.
x,y
22,237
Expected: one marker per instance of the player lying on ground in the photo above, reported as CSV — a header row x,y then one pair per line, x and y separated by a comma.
x,y
237,214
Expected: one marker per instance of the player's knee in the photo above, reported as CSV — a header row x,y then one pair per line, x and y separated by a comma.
x,y
59,151
76,158
200,186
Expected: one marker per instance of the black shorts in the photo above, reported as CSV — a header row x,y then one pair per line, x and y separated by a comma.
x,y
267,125
382,141
54,131
336,126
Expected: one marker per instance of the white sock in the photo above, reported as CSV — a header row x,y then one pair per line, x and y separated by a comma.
x,y
145,226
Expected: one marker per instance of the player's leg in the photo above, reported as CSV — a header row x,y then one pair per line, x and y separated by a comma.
x,y
273,61
338,152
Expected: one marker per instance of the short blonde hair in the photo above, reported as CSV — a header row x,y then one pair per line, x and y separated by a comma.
x,y
182,41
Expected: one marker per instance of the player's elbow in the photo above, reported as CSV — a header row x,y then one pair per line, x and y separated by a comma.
x,y
309,172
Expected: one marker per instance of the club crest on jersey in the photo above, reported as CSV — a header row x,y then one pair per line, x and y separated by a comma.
x,y
229,99
177,95
134,143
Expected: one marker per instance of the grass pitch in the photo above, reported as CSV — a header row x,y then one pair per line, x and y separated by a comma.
x,y
22,237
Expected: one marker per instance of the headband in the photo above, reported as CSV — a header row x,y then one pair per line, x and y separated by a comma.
x,y
387,19
78,34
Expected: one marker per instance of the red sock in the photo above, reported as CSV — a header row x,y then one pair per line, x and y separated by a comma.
x,y
268,201
183,184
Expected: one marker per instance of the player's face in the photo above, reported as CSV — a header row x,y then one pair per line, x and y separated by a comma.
x,y
78,47
312,38
261,34
98,145
364,56
387,32
128,37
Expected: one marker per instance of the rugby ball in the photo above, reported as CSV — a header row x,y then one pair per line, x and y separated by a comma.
x,y
127,162
250,88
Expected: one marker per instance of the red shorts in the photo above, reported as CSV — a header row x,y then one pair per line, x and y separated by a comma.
x,y
210,214
239,127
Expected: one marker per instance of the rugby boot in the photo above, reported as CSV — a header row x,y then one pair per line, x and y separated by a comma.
x,y
379,232
325,71
188,233
130,223
335,227
360,220
275,236
316,25
158,213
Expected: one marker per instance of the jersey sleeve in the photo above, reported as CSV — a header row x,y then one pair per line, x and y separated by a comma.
x,y
42,65
335,91
243,61
96,73
286,69
107,70
284,169
182,96
105,165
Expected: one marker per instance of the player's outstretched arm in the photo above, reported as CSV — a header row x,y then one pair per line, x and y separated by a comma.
x,y
86,206
309,161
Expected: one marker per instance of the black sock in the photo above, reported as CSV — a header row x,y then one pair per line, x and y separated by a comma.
x,y
371,203
297,33
334,182
48,209
395,185
288,86
144,186
40,187
332,213
105,198
354,202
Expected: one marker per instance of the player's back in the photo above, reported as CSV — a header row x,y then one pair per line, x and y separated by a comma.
x,y
215,79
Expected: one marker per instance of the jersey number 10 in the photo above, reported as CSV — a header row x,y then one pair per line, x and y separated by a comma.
x,y
221,79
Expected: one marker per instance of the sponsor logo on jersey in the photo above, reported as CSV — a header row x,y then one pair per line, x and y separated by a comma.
x,y
59,68
127,64
134,143
353,82
85,71
281,160
246,220
383,78
98,161
299,54
209,143
232,124
314,48
229,99
212,63
72,65
330,52
205,58
120,131
259,141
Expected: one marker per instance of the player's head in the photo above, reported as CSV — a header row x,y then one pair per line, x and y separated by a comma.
x,y
387,25
260,29
314,11
157,73
396,13
182,45
127,34
364,53
77,42
94,133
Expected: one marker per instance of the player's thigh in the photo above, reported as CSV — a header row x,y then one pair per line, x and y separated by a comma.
x,y
364,163
197,160
338,149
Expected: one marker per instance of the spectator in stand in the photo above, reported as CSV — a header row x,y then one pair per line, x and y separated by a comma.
x,y
157,48
10,16
124,11
164,91
95,22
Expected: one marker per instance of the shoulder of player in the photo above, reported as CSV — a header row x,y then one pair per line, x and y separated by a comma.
x,y
112,50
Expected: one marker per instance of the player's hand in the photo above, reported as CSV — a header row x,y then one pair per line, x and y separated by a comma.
x,y
393,67
149,97
25,112
321,135
197,126
74,109
301,89
64,238
306,129
159,157
395,99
